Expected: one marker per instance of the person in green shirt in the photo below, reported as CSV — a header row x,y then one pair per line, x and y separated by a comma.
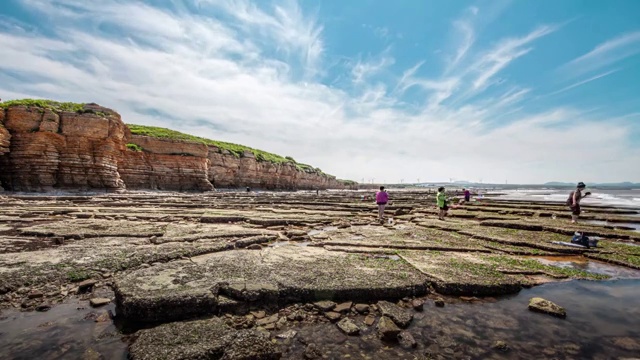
x,y
441,199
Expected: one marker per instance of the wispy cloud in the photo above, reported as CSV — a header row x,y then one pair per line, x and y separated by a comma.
x,y
583,82
606,53
251,73
362,69
504,53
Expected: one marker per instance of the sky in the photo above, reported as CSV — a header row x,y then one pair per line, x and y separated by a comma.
x,y
382,91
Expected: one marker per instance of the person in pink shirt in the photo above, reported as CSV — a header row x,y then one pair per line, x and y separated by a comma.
x,y
382,197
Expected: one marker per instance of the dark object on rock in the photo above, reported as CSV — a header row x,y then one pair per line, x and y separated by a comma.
x,y
387,329
417,304
501,345
400,316
35,295
545,306
254,247
43,307
439,302
348,326
407,340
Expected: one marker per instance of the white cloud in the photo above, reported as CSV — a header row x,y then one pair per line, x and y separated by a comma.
x,y
245,74
606,53
504,53
579,83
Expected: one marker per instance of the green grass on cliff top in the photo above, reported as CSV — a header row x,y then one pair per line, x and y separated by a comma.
x,y
235,149
158,132
45,104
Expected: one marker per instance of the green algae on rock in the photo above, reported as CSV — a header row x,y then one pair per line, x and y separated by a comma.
x,y
545,306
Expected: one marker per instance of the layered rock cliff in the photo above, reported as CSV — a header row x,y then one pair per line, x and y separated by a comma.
x,y
48,145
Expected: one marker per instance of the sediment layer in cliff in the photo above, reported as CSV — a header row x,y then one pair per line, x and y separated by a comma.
x,y
46,145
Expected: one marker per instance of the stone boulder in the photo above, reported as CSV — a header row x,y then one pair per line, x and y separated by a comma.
x,y
348,326
201,339
399,315
547,307
387,329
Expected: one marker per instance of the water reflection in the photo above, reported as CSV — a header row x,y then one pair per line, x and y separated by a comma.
x,y
603,322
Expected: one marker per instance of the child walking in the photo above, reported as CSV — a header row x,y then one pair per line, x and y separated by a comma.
x,y
441,200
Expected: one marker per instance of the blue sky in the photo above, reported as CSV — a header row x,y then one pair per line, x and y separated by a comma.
x,y
524,91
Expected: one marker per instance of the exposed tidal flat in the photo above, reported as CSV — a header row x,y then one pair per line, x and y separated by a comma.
x,y
292,275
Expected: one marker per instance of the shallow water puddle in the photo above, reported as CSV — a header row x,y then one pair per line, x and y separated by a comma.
x,y
589,265
67,331
603,322
621,226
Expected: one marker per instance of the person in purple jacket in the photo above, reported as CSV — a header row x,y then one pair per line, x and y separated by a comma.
x,y
382,197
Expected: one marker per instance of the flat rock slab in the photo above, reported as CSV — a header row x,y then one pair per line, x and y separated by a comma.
x,y
456,273
276,275
348,326
201,339
547,307
400,316
79,228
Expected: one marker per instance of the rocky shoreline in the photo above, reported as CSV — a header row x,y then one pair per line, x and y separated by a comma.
x,y
248,270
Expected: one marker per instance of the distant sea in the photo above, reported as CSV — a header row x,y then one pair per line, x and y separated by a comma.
x,y
624,198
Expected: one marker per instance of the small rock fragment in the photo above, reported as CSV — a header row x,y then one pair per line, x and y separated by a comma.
x,y
407,340
86,285
258,314
344,307
348,326
333,316
312,352
387,329
369,320
269,320
439,302
254,247
95,302
289,334
362,308
501,345
325,305
417,304
545,306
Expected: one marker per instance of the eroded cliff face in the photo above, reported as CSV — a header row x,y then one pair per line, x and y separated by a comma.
x,y
43,149
49,149
165,165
